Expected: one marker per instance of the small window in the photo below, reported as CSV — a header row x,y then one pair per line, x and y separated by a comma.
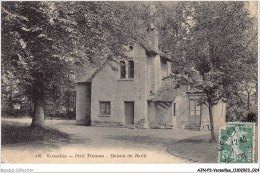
x,y
122,69
194,108
104,108
131,69
174,109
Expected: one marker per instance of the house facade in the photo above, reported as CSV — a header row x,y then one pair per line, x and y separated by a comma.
x,y
130,91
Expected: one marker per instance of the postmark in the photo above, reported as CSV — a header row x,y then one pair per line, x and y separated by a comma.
x,y
237,143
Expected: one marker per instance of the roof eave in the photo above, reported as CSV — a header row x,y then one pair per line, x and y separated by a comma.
x,y
94,74
166,58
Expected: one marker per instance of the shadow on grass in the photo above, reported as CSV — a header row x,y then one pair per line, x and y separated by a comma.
x,y
195,149
18,134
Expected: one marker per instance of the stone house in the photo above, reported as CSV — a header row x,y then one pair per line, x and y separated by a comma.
x,y
134,95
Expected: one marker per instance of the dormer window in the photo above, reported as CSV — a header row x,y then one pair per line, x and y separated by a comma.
x,y
131,69
122,69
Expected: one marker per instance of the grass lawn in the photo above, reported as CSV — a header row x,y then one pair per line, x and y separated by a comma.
x,y
188,145
199,149
20,134
196,149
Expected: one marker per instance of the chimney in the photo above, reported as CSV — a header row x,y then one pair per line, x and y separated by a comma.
x,y
153,37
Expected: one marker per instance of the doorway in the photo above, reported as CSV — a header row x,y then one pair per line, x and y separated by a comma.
x,y
195,113
129,112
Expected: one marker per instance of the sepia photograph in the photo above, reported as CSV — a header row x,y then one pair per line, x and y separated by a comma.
x,y
129,82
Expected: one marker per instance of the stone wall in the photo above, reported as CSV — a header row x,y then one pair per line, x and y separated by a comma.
x,y
83,103
182,113
107,86
219,115
106,124
158,118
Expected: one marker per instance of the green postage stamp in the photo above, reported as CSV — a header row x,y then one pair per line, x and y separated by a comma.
x,y
237,143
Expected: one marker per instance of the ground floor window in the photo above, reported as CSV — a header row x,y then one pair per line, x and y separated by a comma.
x,y
174,109
104,107
194,108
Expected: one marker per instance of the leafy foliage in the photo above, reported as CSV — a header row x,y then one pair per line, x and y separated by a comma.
x,y
214,41
31,52
213,45
44,43
216,51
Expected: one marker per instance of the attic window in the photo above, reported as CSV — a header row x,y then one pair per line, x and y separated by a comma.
x,y
122,69
131,69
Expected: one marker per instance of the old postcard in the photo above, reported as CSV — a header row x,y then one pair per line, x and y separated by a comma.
x,y
129,82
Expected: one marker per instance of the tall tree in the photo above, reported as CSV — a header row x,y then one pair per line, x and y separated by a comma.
x,y
213,55
30,48
41,41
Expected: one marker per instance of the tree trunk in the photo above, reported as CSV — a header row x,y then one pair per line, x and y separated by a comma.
x,y
68,104
248,101
256,93
31,108
38,115
213,136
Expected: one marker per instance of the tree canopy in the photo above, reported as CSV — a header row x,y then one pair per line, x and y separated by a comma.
x,y
213,46
44,41
216,53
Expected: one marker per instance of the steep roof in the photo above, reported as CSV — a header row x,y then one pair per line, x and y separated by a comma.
x,y
151,50
87,73
166,93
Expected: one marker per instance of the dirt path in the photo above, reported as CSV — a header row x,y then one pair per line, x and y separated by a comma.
x,y
100,145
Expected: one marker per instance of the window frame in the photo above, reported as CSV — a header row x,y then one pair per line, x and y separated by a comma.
x,y
122,68
194,108
131,69
105,105
174,109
